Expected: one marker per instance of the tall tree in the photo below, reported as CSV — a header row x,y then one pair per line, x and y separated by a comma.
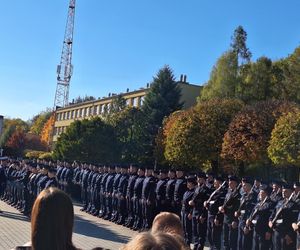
x,y
162,99
239,46
257,81
223,82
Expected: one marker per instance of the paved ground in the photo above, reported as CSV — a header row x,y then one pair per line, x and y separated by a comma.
x,y
89,232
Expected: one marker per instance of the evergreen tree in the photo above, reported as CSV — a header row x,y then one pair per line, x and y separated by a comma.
x,y
162,99
238,45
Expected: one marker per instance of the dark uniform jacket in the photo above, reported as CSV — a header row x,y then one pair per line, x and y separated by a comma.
x,y
248,202
122,187
170,187
130,186
200,196
288,215
187,197
160,190
138,185
148,189
52,182
231,204
179,189
261,214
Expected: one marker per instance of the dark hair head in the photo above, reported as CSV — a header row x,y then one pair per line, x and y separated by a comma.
x,y
52,221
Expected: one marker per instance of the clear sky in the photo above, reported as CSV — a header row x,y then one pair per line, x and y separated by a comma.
x,y
122,44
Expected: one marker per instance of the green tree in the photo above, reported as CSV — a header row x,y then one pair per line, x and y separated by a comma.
x,y
118,104
88,140
257,81
129,130
162,99
239,46
223,82
284,146
286,73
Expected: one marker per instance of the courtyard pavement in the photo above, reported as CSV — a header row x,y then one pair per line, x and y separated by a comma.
x,y
89,231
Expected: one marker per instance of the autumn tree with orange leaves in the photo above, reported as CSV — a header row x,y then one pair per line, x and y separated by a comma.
x,y
48,130
247,139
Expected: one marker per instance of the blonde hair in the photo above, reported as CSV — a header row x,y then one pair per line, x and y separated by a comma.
x,y
157,241
168,223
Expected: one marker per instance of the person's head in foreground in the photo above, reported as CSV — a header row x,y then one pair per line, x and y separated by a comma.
x,y
157,241
168,223
52,221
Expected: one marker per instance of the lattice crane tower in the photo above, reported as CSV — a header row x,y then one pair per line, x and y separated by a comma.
x,y
65,68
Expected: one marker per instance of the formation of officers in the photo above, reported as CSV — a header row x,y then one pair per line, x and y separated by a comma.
x,y
228,213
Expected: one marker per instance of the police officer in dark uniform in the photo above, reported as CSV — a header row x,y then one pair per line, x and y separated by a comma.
x,y
121,195
105,175
109,191
130,194
43,179
179,190
199,221
160,191
170,187
285,213
59,172
214,218
187,209
259,218
115,193
137,196
148,198
231,204
248,202
52,181
91,207
96,191
276,194
31,185
24,206
84,186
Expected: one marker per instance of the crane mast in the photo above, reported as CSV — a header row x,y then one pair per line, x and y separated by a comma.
x,y
65,68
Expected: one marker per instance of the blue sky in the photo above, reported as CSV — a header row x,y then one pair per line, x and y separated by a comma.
x,y
122,44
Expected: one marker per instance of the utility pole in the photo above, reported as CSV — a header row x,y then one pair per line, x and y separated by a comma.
x,y
65,68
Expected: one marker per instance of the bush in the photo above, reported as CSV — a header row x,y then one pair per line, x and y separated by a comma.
x,y
46,156
31,154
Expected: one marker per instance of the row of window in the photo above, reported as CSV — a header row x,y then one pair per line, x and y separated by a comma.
x,y
95,110
59,130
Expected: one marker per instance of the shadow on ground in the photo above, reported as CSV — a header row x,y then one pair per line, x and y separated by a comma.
x,y
14,216
97,230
